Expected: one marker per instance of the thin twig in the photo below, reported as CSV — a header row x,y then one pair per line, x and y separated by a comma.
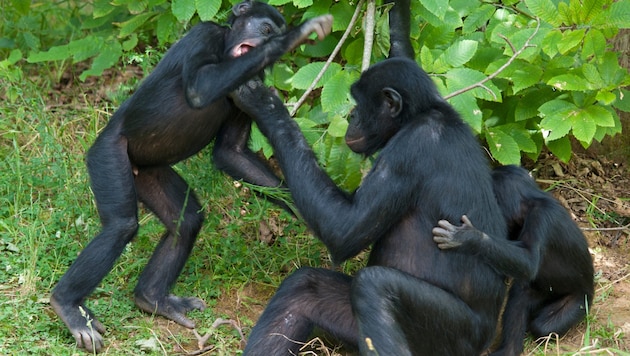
x,y
368,40
620,228
332,56
503,67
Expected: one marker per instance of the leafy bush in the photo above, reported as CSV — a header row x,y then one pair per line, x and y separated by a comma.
x,y
528,74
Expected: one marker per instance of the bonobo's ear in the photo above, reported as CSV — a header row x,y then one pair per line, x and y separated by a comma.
x,y
394,101
242,8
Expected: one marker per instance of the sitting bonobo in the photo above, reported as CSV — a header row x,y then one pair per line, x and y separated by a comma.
x,y
177,110
546,254
413,298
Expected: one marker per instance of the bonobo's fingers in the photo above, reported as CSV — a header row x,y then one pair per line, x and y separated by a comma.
x,y
466,221
172,307
446,225
322,26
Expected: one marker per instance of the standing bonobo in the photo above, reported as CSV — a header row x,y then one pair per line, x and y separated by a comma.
x,y
176,112
413,298
547,255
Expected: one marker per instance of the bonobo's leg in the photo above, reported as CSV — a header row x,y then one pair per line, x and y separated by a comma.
x,y
515,317
309,297
165,193
232,155
399,314
558,315
112,183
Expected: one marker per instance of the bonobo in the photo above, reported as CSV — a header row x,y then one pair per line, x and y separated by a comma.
x,y
179,109
547,255
413,298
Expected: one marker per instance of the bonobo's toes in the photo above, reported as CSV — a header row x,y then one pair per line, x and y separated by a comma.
x,y
172,307
85,328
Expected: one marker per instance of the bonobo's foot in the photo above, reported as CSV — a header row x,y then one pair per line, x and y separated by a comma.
x,y
171,307
85,328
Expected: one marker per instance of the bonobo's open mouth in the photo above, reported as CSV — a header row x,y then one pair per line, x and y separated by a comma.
x,y
241,49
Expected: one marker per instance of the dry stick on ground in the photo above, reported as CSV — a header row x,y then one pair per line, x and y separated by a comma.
x,y
368,40
332,56
502,68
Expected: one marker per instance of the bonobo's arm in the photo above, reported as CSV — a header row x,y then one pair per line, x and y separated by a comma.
x,y
345,223
399,29
519,259
206,79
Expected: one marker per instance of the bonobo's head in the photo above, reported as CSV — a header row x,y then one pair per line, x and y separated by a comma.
x,y
388,95
252,23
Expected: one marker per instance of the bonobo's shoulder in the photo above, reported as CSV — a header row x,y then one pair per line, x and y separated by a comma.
x,y
205,31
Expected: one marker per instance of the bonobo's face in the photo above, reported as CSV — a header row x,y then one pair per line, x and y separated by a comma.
x,y
252,24
373,120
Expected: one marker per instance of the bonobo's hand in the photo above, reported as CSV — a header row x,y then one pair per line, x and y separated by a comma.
x,y
447,235
320,25
256,99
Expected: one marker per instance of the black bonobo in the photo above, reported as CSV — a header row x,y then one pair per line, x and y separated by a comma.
x,y
413,298
546,254
177,110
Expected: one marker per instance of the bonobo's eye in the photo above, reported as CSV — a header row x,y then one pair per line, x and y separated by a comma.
x,y
266,29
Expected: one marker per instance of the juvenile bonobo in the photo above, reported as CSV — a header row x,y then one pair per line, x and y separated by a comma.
x,y
177,110
547,255
413,298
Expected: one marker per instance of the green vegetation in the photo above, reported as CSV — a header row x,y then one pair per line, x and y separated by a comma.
x,y
65,66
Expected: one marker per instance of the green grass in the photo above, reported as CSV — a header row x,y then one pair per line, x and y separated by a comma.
x,y
47,216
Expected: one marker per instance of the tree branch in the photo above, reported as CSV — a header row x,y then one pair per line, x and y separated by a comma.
x,y
368,41
332,56
503,67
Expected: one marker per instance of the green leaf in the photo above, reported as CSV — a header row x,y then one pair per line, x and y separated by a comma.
x,y
300,4
546,10
130,26
583,127
590,9
557,118
109,56
616,15
166,24
305,75
436,7
342,12
550,43
207,9
502,146
569,82
335,91
281,75
278,2
460,78
338,126
478,18
570,40
137,7
561,148
594,44
592,75
183,9
598,115
467,107
457,54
